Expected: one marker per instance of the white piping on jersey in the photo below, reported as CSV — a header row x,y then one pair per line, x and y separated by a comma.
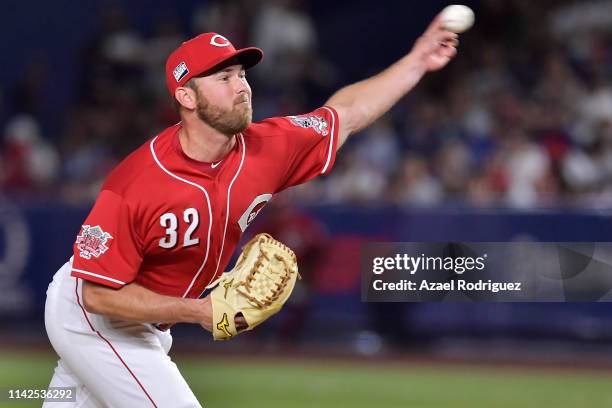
x,y
227,209
98,276
209,211
331,140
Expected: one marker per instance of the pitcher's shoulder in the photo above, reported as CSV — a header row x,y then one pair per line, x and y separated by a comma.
x,y
139,167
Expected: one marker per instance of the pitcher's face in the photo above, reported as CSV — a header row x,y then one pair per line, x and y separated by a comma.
x,y
224,100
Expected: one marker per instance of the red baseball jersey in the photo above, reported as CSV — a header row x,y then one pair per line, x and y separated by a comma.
x,y
171,223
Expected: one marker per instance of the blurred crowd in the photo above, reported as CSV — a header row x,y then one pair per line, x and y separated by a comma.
x,y
522,118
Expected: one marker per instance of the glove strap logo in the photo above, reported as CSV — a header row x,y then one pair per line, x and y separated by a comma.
x,y
227,286
92,241
223,325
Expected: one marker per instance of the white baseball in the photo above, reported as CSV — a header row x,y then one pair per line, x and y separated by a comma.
x,y
457,18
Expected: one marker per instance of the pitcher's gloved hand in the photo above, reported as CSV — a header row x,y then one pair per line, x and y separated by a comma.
x,y
257,287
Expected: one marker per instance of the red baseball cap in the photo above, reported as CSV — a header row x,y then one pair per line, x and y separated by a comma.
x,y
203,53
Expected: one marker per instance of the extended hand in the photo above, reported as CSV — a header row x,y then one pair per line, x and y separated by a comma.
x,y
436,47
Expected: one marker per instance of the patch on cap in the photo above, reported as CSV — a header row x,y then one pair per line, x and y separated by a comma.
x,y
180,71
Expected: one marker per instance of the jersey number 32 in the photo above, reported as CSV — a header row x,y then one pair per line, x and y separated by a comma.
x,y
170,222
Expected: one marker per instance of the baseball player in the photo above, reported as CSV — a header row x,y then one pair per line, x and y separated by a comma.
x,y
169,217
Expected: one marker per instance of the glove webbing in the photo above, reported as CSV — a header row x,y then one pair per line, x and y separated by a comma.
x,y
280,286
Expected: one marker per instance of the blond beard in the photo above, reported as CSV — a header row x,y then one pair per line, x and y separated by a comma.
x,y
227,122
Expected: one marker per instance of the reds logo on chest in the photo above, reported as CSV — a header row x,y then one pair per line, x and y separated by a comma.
x,y
92,242
252,210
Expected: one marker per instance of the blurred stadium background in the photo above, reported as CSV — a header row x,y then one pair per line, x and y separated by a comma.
x,y
512,141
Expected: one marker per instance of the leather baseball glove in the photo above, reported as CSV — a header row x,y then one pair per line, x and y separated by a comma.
x,y
257,287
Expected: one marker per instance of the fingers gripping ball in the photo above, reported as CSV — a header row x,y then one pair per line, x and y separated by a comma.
x,y
257,287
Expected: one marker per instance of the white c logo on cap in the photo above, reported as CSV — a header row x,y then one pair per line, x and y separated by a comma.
x,y
224,42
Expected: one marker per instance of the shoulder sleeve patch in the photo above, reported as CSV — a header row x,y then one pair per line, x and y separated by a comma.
x,y
92,241
318,123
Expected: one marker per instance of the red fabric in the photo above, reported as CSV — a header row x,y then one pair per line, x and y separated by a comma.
x,y
16,172
157,183
202,53
339,266
556,144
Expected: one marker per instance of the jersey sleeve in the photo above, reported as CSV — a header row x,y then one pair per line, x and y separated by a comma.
x,y
108,250
309,142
